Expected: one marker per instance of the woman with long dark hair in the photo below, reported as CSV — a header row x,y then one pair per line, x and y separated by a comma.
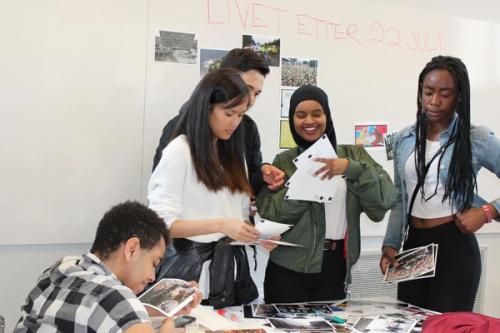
x,y
201,189
436,161
329,233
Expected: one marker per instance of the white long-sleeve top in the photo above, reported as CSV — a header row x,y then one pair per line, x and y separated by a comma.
x,y
175,193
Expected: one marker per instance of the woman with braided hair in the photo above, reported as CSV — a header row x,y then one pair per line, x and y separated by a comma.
x,y
436,162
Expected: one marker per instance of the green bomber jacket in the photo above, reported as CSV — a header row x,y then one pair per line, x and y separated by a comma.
x,y
369,190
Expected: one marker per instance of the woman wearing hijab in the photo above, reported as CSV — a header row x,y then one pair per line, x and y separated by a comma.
x,y
328,233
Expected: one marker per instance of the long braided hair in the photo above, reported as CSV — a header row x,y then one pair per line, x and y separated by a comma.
x,y
461,182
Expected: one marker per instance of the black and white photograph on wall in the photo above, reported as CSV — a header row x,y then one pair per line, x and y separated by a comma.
x,y
268,47
176,47
285,101
210,60
297,72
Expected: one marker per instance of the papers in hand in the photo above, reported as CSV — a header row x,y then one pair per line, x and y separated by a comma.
x,y
267,229
417,263
303,185
168,296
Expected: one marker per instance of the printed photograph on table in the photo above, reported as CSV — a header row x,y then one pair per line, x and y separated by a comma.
x,y
245,330
176,47
210,60
264,310
396,323
370,135
303,309
268,47
297,72
300,324
286,94
364,307
286,139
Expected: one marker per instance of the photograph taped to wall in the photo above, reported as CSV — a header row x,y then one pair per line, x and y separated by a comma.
x,y
268,47
176,47
370,135
297,72
286,94
210,60
286,139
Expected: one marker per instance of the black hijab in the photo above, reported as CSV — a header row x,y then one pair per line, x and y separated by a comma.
x,y
306,93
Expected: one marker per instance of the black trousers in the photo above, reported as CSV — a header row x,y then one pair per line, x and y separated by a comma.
x,y
458,270
282,285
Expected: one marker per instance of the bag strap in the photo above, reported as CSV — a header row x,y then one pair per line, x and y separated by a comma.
x,y
427,167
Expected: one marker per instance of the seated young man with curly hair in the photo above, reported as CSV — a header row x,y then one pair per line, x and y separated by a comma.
x,y
96,292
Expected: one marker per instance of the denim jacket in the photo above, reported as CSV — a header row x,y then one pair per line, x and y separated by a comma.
x,y
485,152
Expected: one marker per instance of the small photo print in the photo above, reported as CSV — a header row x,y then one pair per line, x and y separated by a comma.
x,y
389,145
413,264
370,135
168,296
243,330
303,309
297,72
264,310
286,138
268,47
388,323
285,101
176,47
210,60
300,324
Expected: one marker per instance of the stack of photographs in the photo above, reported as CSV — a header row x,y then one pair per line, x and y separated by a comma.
x,y
347,316
376,316
296,316
412,264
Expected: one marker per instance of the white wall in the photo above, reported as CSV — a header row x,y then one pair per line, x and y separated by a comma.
x,y
21,264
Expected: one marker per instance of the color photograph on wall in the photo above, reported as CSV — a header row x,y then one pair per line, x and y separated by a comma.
x,y
286,94
176,47
286,139
370,135
268,47
297,72
210,60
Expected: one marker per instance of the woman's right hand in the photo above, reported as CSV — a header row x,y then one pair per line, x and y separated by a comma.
x,y
388,254
240,230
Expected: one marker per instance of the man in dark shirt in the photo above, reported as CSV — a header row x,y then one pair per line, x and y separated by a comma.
x,y
253,69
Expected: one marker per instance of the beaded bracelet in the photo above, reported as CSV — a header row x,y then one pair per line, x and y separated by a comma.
x,y
487,212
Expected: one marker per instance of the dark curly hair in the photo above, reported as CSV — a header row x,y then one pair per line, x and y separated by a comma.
x,y
124,221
